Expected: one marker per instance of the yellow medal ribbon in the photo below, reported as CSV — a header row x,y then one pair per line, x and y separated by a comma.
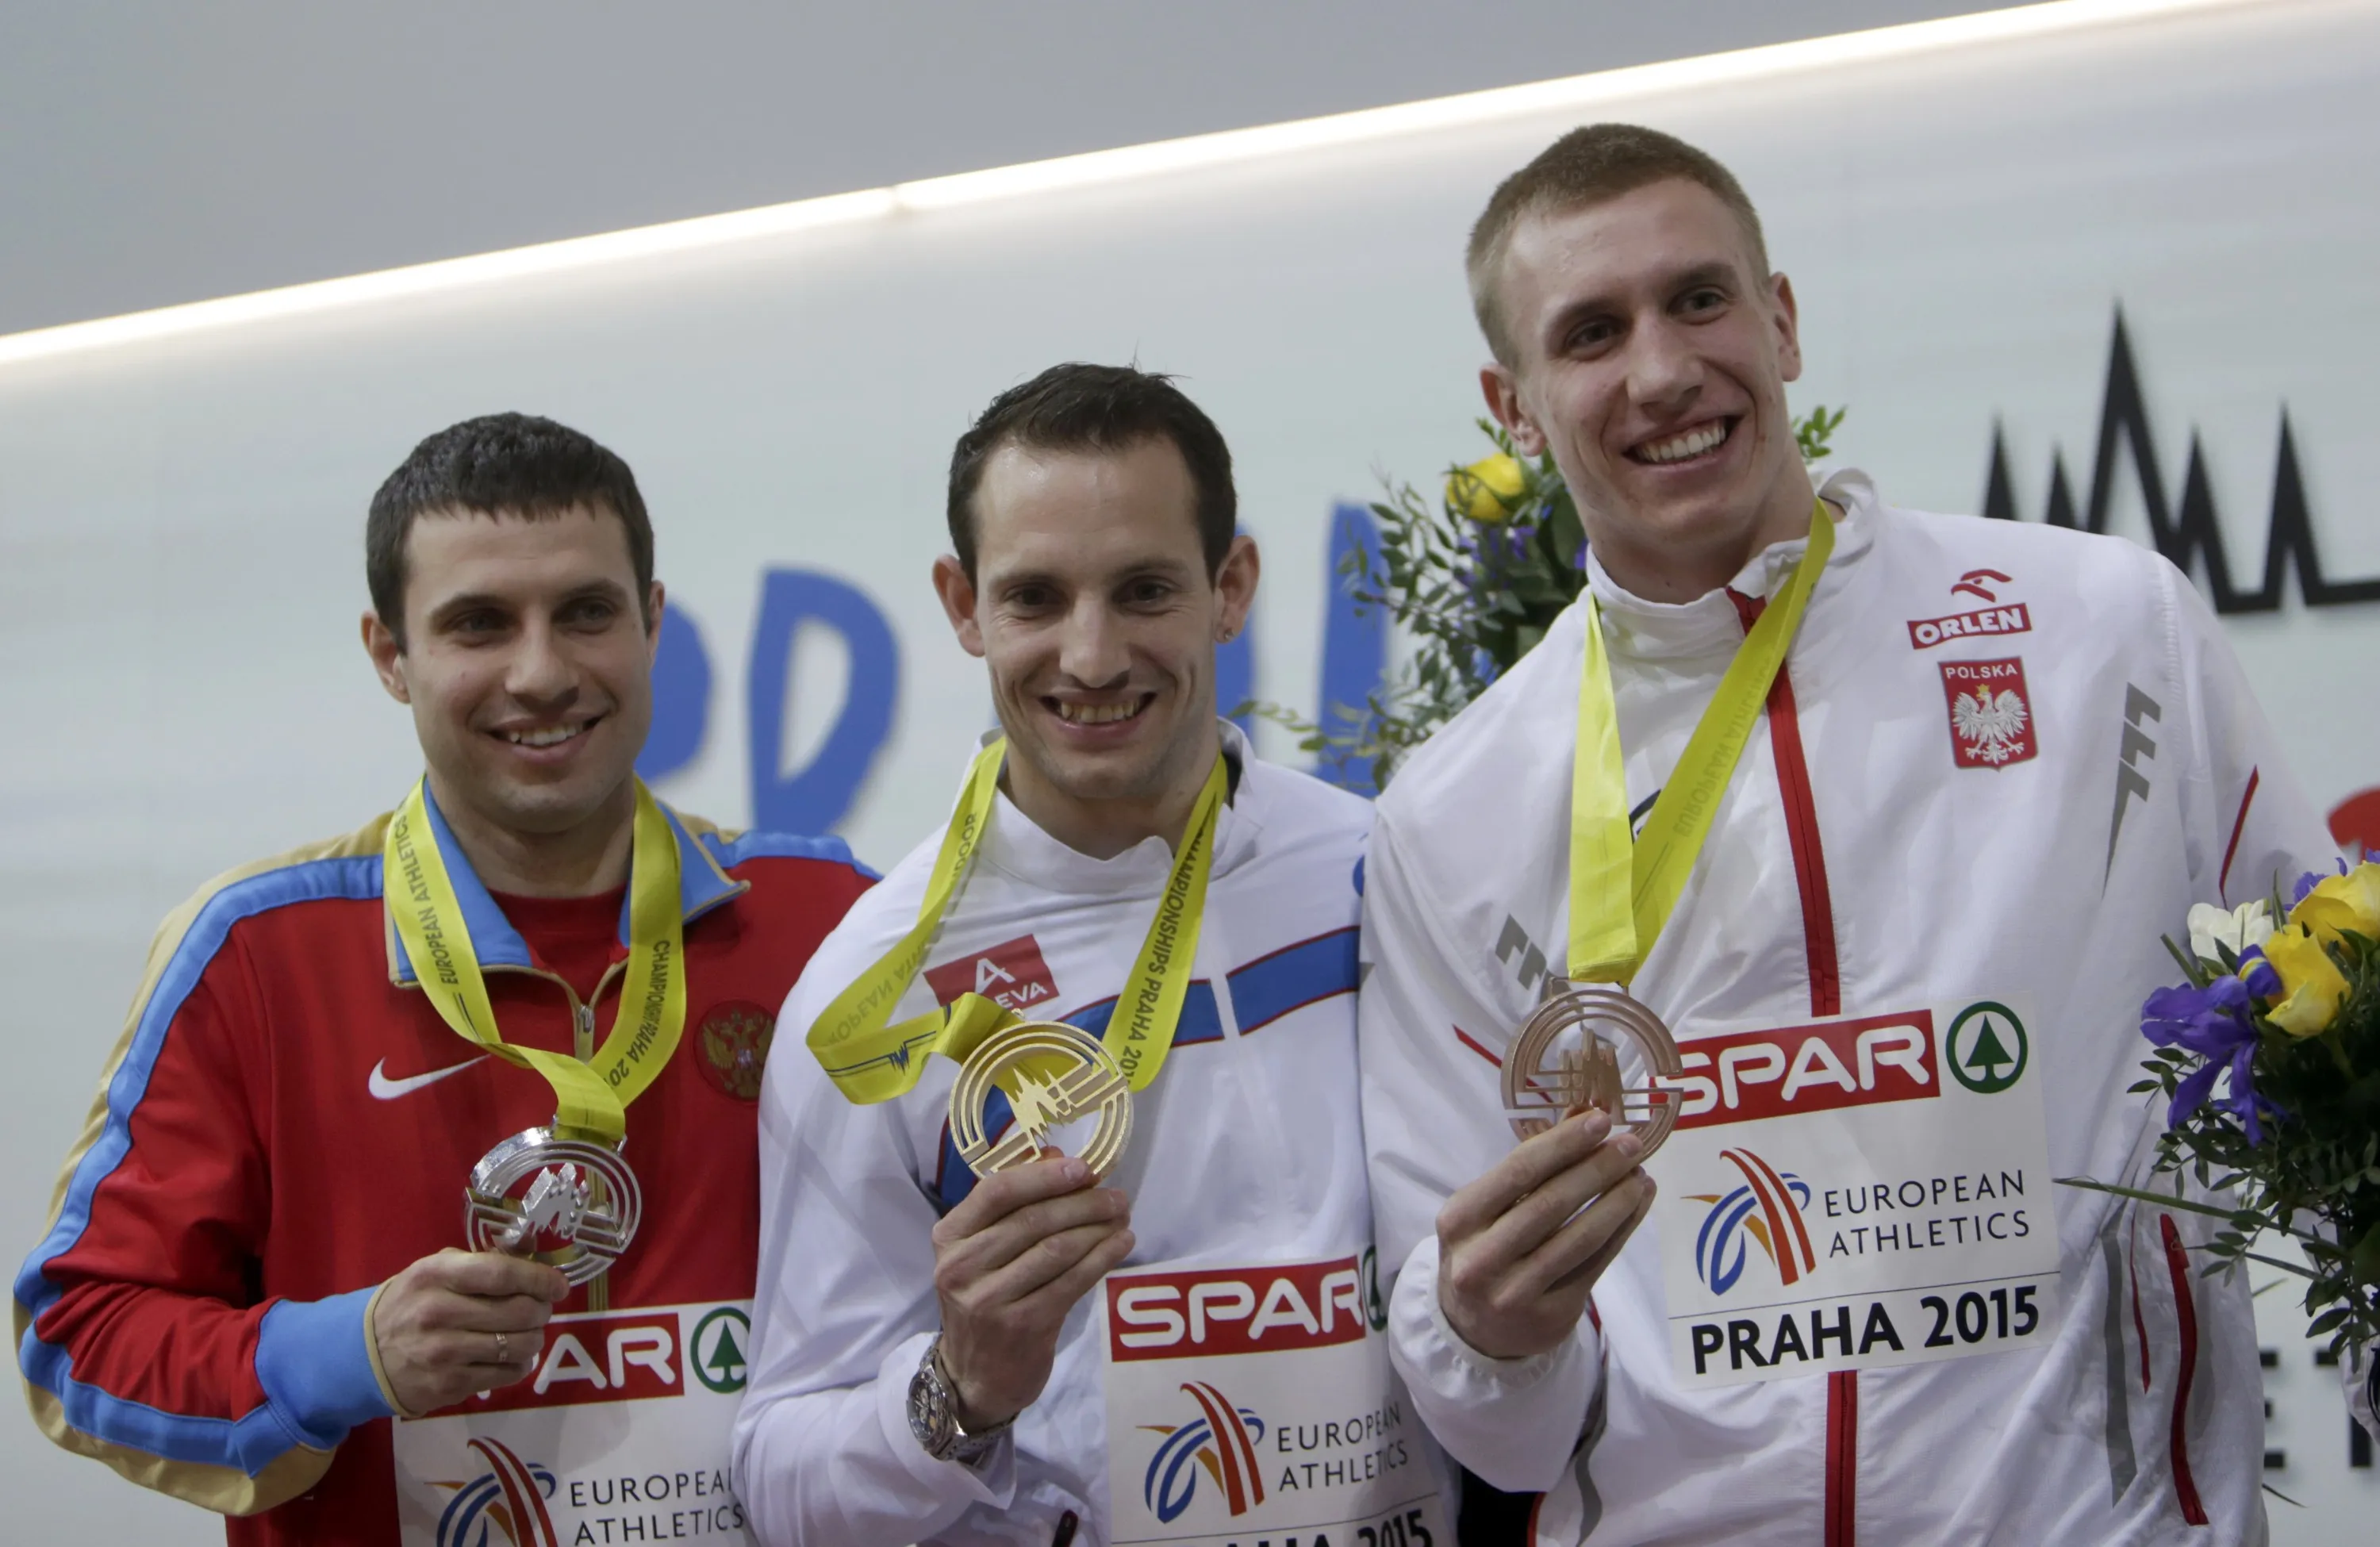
x,y
870,1061
1620,891
652,1014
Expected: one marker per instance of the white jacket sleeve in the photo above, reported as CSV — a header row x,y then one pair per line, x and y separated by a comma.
x,y
842,1313
2250,828
1433,1121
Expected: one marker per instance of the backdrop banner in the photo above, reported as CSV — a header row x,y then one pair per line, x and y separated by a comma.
x,y
2120,277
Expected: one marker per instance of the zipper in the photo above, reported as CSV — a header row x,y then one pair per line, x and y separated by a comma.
x,y
1801,829
1842,1512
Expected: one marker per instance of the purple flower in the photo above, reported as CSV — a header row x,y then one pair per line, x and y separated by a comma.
x,y
2311,880
2211,1022
2263,980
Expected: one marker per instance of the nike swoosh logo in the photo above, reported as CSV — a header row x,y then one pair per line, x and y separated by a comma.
x,y
387,1090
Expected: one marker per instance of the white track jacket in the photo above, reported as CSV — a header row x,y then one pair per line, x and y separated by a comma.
x,y
2003,760
1246,1149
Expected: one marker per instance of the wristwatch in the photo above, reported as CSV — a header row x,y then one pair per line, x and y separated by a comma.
x,y
934,1414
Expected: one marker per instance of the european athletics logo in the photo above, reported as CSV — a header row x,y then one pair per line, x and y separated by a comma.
x,y
1222,1439
510,1496
1767,1208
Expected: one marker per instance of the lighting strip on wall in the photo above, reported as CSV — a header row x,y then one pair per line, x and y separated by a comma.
x,y
1575,93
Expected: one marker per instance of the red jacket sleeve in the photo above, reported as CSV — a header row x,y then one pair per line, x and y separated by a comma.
x,y
143,1338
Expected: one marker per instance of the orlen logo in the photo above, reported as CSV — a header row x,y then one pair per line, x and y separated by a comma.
x,y
1754,1075
1767,1207
1234,1311
1924,633
510,1494
1222,1439
595,1359
1011,974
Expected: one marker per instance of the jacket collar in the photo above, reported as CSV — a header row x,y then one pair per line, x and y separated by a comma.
x,y
702,886
1017,845
1709,624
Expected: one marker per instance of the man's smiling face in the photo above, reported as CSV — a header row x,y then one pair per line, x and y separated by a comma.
x,y
1650,356
527,662
1092,607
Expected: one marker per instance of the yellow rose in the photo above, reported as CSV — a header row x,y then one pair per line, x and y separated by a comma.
x,y
2342,902
1475,489
2312,986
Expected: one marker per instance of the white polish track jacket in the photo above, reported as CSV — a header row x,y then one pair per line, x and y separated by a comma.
x,y
1876,849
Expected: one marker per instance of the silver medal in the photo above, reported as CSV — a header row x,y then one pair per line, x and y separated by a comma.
x,y
561,1196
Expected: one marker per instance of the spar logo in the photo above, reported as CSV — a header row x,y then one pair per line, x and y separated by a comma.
x,y
1767,1208
504,1504
1281,1307
1743,1076
1221,1441
618,1356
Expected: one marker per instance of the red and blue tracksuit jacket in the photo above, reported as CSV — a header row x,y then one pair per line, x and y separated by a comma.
x,y
263,1154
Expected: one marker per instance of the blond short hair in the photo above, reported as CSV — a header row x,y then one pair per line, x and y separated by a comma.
x,y
1586,168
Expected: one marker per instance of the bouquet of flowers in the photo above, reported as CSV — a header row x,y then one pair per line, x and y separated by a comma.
x,y
2269,1060
1473,577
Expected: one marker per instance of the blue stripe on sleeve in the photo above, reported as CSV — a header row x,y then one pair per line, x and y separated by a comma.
x,y
249,1442
1270,987
255,1440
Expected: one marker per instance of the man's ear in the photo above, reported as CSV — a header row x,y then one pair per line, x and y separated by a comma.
x,y
653,625
1789,328
1235,585
1503,390
387,657
950,583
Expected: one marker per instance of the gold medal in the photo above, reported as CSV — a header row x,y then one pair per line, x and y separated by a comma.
x,y
1053,1075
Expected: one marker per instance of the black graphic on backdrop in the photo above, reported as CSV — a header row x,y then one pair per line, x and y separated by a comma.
x,y
2191,535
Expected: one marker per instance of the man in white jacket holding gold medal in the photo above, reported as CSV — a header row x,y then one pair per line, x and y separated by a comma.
x,y
1883,814
1190,1349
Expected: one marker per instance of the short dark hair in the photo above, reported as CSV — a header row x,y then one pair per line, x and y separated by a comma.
x,y
1583,168
1098,408
512,465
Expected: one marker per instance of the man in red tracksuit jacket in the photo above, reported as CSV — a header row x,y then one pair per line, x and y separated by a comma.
x,y
253,1294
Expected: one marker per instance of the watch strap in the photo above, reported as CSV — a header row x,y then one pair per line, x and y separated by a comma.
x,y
972,1445
934,1414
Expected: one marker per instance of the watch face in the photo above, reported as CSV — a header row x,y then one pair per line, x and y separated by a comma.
x,y
930,1418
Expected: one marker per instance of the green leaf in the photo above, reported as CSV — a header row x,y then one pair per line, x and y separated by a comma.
x,y
2163,1199
2285,1267
2363,1259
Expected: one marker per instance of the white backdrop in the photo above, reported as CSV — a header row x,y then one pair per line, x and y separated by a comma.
x,y
180,565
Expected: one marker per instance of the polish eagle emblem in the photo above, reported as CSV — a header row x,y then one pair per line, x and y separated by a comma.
x,y
1993,723
736,1038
